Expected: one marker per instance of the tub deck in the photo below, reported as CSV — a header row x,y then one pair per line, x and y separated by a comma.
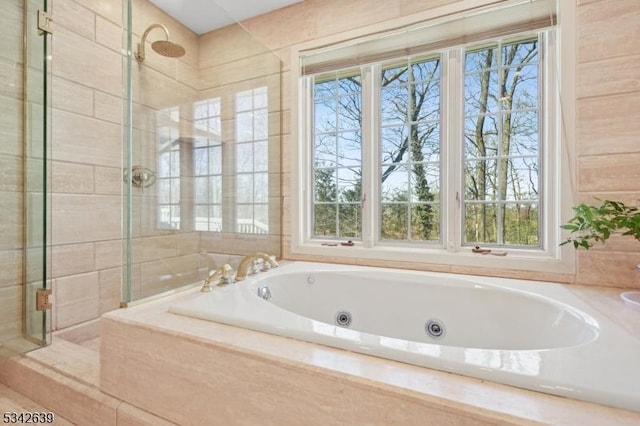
x,y
211,370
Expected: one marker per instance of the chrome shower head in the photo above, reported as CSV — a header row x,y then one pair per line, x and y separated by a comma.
x,y
164,47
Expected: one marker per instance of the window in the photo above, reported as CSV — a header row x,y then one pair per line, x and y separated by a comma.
x,y
207,165
338,156
409,174
252,161
435,138
502,144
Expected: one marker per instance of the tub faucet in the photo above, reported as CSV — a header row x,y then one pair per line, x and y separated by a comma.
x,y
243,268
224,275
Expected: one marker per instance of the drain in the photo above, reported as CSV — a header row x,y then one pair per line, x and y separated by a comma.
x,y
434,328
264,292
343,318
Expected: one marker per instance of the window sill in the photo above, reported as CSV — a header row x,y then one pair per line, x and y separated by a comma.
x,y
515,259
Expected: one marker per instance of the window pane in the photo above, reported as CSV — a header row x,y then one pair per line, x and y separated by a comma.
x,y
425,180
427,70
395,183
324,220
349,85
350,220
428,101
522,87
480,223
425,222
480,180
481,136
349,149
525,139
521,224
394,222
429,137
325,116
325,89
325,150
325,185
391,113
520,52
394,145
349,112
349,185
522,178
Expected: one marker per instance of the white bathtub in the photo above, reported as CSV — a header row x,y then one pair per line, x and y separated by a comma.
x,y
533,335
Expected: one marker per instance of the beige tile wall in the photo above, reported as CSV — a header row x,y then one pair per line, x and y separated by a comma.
x,y
608,129
11,158
86,154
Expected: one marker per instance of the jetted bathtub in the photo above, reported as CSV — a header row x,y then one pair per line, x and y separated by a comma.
x,y
533,335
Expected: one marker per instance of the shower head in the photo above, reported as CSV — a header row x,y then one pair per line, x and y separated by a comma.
x,y
168,48
164,47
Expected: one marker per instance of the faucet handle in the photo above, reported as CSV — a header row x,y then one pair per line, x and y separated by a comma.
x,y
226,275
255,267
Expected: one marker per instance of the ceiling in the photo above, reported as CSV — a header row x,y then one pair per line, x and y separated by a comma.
x,y
202,16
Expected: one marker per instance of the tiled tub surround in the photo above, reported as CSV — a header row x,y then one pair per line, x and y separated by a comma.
x,y
191,371
508,331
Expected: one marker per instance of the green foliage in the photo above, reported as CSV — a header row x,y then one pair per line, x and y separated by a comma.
x,y
598,223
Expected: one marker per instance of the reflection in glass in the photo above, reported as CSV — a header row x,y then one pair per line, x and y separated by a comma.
x,y
252,179
168,178
207,165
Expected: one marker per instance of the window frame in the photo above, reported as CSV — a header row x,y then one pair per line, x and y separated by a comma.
x,y
450,251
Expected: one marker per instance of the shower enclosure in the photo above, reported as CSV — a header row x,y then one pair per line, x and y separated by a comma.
x,y
202,137
25,87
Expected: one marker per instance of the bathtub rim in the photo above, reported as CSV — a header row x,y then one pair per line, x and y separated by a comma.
x,y
589,390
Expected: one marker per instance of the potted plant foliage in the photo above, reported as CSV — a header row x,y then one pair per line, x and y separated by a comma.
x,y
597,223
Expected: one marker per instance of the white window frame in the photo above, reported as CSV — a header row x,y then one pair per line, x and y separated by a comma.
x,y
557,160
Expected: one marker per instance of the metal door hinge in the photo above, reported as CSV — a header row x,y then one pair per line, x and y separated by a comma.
x,y
45,23
42,299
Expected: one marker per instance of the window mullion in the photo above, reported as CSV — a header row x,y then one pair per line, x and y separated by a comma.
x,y
370,154
452,149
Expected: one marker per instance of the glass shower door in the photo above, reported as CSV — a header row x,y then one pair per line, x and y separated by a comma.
x,y
36,172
